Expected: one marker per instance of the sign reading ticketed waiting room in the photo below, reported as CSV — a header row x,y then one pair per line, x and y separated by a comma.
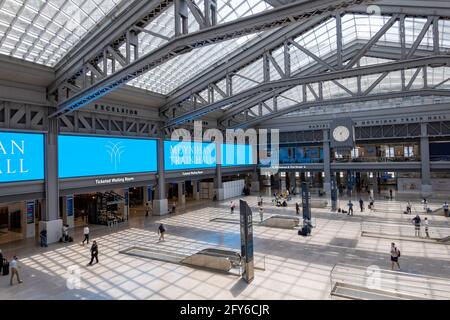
x,y
83,156
21,157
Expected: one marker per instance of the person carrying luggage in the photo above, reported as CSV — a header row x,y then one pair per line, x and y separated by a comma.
x,y
350,208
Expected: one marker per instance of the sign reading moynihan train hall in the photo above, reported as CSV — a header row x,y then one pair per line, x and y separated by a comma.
x,y
21,157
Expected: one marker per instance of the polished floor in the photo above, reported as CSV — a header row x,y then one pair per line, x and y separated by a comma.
x,y
295,267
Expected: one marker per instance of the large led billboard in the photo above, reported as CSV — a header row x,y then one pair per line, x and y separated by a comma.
x,y
237,155
180,155
21,157
84,156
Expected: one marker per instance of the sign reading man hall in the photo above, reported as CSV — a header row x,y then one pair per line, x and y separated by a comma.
x,y
21,157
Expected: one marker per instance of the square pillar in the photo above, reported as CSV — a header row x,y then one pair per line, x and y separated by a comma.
x,y
196,189
181,193
326,163
426,189
160,206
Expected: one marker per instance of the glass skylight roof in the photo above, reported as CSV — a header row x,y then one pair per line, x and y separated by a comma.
x,y
167,77
43,31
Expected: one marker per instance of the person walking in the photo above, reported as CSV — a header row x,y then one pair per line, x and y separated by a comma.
x,y
65,233
14,270
371,204
445,207
408,207
232,207
417,222
161,231
94,252
261,213
395,254
86,234
426,224
147,209
43,238
390,194
260,201
297,208
361,204
174,208
350,208
425,205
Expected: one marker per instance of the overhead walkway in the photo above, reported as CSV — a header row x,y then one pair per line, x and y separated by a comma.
x,y
405,232
371,283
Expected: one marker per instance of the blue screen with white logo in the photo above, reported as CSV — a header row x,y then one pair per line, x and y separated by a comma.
x,y
202,155
21,157
82,156
237,155
180,155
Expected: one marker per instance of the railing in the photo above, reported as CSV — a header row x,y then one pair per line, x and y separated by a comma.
x,y
403,230
443,157
375,159
373,283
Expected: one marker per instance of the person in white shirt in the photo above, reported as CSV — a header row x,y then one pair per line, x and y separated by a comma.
x,y
232,207
86,234
261,213
14,270
426,227
65,233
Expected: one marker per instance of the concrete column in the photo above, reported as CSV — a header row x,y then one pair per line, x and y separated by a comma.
x,y
126,205
196,189
160,206
218,185
425,161
51,221
255,182
181,193
326,163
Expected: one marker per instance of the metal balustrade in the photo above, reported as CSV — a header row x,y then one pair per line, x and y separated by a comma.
x,y
404,231
373,283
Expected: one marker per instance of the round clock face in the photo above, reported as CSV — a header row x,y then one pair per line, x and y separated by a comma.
x,y
341,134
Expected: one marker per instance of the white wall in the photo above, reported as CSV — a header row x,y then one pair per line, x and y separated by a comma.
x,y
232,189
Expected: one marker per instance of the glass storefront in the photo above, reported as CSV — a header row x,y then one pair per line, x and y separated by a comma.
x,y
380,153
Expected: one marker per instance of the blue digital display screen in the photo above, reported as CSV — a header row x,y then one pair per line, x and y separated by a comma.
x,y
180,155
237,155
82,156
21,157
200,155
